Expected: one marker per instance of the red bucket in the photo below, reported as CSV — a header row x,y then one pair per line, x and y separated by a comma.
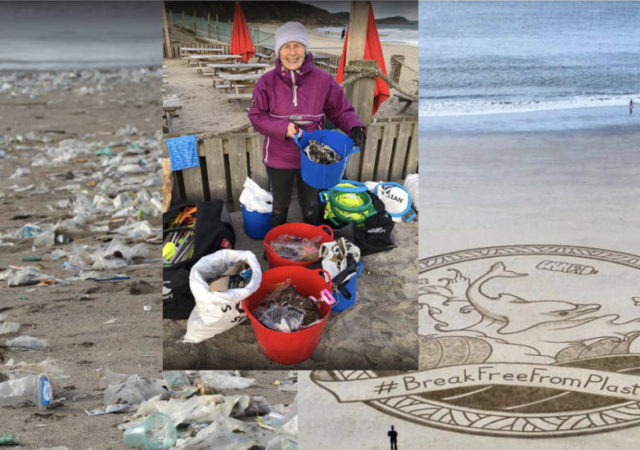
x,y
289,348
301,230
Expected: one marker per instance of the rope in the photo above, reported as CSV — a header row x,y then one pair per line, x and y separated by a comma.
x,y
360,73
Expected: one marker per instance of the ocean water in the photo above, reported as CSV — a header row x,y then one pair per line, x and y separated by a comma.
x,y
402,34
480,58
42,36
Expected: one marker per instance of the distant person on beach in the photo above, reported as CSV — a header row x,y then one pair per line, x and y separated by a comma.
x,y
630,106
344,31
393,438
296,96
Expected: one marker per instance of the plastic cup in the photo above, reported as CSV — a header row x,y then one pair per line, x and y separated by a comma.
x,y
156,433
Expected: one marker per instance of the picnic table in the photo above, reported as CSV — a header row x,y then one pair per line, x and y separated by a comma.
x,y
237,68
201,60
238,83
186,51
170,107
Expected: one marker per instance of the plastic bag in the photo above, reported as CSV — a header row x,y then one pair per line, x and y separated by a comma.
x,y
254,198
27,343
135,389
216,312
280,318
412,185
295,248
222,380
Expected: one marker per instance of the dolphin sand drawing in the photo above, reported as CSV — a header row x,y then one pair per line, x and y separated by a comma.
x,y
517,314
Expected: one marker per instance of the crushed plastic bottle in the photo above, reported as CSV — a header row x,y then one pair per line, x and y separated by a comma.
x,y
26,343
34,389
9,327
157,432
176,380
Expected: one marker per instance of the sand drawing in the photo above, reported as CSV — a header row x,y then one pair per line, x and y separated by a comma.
x,y
515,344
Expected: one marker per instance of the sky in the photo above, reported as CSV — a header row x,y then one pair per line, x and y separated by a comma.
x,y
408,10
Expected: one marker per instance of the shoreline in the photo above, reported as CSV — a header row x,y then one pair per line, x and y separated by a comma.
x,y
561,120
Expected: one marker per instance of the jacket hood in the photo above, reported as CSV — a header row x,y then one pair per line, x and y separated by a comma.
x,y
299,74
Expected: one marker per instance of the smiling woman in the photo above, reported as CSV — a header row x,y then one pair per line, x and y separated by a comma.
x,y
292,97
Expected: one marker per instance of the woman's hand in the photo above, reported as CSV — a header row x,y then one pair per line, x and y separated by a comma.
x,y
292,130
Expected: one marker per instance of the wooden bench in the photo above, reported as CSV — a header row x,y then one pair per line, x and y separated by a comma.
x,y
261,56
170,109
407,100
246,96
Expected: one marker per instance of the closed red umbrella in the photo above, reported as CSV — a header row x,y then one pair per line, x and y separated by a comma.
x,y
240,38
372,50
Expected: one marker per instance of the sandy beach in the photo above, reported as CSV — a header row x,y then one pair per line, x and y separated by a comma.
x,y
574,187
89,326
206,110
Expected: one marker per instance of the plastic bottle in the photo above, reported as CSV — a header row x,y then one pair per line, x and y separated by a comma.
x,y
176,380
29,388
26,343
157,432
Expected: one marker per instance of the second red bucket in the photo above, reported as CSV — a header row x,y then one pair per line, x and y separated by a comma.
x,y
289,348
301,230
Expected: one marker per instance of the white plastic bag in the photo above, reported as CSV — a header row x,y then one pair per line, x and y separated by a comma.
x,y
411,183
216,312
254,198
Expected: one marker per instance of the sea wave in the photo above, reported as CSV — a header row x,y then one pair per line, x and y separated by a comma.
x,y
397,34
430,107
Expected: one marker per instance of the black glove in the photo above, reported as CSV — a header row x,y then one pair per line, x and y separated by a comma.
x,y
359,137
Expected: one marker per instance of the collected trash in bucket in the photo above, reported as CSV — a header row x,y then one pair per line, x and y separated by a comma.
x,y
236,275
295,248
35,389
301,231
257,207
290,348
284,309
323,176
341,259
321,153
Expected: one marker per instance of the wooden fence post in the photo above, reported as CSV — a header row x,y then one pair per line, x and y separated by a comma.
x,y
396,67
360,93
358,20
165,31
209,24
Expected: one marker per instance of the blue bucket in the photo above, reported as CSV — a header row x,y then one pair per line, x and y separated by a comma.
x,y
324,176
256,224
343,302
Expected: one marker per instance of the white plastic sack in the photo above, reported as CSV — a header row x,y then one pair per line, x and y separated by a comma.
x,y
216,312
411,183
254,198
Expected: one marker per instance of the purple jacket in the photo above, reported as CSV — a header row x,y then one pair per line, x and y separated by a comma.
x,y
304,97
